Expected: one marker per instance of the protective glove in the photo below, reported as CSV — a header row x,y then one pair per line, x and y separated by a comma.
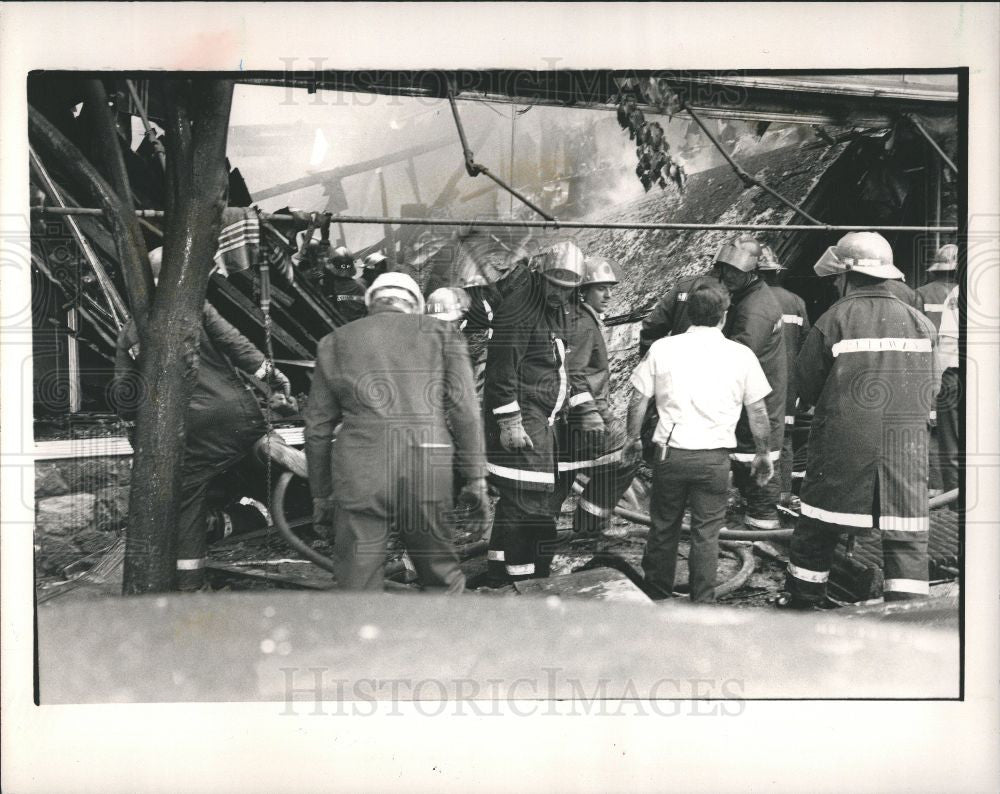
x,y
322,514
593,431
512,433
762,469
474,497
632,454
270,374
280,380
283,405
588,433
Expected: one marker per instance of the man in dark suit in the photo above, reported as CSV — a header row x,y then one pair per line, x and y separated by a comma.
x,y
401,383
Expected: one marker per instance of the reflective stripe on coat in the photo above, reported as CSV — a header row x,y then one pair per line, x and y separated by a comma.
x,y
868,367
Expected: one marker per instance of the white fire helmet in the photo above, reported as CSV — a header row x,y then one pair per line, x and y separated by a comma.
x,y
563,264
397,285
599,270
868,253
768,260
945,260
741,252
447,303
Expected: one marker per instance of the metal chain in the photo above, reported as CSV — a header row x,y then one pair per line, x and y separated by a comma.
x,y
265,308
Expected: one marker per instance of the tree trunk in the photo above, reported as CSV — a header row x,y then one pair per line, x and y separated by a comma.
x,y
198,121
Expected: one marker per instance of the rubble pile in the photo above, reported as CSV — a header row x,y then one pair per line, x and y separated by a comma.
x,y
653,261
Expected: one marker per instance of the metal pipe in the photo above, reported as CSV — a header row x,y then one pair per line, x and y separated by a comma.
x,y
742,174
475,169
554,225
119,312
920,128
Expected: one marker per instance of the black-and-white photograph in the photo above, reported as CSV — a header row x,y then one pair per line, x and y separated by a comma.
x,y
634,340
492,390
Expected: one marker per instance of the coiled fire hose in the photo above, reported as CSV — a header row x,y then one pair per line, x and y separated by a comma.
x,y
324,562
724,535
743,550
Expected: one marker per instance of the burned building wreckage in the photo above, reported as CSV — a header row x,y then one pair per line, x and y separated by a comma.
x,y
796,162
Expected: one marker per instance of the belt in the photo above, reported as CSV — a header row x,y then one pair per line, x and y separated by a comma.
x,y
663,450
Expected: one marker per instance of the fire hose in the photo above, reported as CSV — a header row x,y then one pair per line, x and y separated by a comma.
x,y
468,550
281,522
725,534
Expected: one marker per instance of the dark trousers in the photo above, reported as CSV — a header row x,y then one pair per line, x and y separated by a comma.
x,y
524,535
686,478
600,487
948,403
760,500
192,518
360,539
192,531
813,546
784,472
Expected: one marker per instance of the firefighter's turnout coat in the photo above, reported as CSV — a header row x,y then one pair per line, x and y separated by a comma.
x,y
587,354
868,367
669,316
527,374
224,417
346,294
934,294
755,320
795,326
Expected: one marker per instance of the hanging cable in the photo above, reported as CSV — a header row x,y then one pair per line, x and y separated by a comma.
x,y
475,169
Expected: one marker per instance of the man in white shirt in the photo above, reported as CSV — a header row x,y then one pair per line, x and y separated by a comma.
x,y
700,381
948,399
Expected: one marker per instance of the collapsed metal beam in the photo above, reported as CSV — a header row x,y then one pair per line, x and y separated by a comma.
x,y
119,313
550,225
474,169
741,173
920,128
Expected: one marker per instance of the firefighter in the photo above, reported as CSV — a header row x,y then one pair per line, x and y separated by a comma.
x,y
596,474
754,320
402,386
934,295
905,293
669,316
225,418
375,265
334,271
868,367
795,327
935,291
529,388
449,304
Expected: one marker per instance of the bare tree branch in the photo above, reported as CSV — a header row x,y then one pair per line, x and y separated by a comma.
x,y
134,257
